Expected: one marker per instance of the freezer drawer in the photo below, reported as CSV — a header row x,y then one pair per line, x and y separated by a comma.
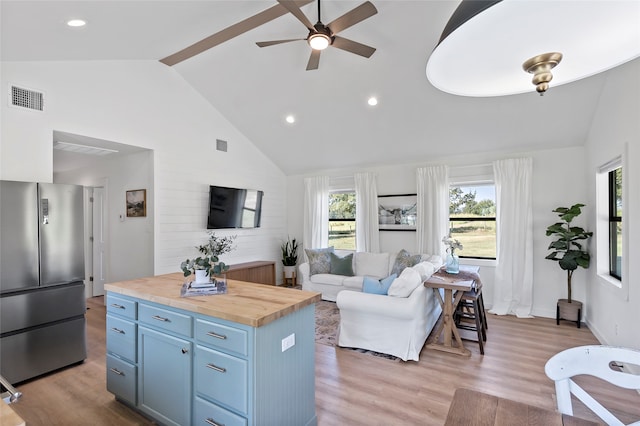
x,y
41,350
41,306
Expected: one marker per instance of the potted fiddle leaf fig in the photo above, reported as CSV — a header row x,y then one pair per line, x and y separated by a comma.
x,y
289,250
569,250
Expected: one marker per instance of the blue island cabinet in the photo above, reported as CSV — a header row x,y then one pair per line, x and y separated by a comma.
x,y
181,367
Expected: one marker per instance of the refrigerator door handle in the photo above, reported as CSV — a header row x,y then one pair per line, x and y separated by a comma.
x,y
45,211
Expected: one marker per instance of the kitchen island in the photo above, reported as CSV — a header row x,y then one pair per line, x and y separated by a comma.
x,y
246,357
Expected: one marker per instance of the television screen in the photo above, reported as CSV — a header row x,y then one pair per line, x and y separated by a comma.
x,y
234,208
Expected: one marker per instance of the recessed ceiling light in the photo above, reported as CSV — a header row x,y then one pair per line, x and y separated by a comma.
x,y
290,119
373,101
76,22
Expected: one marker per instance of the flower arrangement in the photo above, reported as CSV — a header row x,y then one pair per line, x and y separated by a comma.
x,y
452,244
209,261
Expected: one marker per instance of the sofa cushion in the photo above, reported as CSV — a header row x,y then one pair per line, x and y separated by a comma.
x,y
319,260
404,285
425,269
404,260
341,265
328,279
374,286
354,282
372,264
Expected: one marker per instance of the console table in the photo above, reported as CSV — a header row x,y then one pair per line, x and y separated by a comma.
x,y
454,287
260,272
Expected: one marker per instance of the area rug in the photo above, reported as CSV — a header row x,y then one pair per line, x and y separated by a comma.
x,y
327,323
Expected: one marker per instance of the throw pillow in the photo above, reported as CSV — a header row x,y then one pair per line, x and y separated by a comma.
x,y
374,286
404,260
319,260
425,269
341,265
404,285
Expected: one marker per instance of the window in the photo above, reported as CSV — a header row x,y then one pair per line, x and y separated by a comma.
x,y
342,220
615,223
472,219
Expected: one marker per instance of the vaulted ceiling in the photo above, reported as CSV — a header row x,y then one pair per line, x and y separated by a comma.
x,y
256,88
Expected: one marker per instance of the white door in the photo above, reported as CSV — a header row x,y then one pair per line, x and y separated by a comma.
x,y
99,267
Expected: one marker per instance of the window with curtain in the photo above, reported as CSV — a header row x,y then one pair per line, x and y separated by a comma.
x,y
472,219
342,220
615,223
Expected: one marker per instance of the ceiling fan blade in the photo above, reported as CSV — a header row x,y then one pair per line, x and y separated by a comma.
x,y
314,60
360,13
230,32
274,42
353,46
294,8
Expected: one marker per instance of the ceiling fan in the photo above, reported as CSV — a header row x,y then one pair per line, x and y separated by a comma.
x,y
322,36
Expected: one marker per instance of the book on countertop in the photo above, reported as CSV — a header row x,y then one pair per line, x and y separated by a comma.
x,y
218,285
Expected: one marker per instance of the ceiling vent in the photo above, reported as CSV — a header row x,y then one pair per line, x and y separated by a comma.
x,y
26,98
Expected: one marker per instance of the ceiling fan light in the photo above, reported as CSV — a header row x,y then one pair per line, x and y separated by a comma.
x,y
319,41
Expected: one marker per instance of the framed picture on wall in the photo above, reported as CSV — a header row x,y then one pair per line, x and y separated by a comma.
x,y
137,203
397,212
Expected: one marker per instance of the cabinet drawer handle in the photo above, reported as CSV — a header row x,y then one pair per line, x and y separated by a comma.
x,y
117,330
212,422
216,335
118,372
115,305
159,318
215,367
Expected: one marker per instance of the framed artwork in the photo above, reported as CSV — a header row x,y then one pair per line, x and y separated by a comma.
x,y
137,203
397,212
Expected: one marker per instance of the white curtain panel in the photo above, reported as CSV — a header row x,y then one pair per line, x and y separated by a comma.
x,y
316,212
513,292
433,208
367,232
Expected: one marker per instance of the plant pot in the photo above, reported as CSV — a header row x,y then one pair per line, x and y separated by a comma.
x,y
569,311
289,271
201,276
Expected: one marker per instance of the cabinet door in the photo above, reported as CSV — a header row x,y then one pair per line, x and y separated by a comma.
x,y
165,376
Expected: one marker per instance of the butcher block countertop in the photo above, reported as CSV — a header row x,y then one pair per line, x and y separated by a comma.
x,y
245,303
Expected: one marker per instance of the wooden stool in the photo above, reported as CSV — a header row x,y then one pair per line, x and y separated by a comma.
x,y
471,308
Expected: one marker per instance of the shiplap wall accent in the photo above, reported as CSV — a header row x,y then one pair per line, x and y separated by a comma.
x,y
160,112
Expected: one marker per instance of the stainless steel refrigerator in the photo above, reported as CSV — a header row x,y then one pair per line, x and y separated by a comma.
x,y
42,302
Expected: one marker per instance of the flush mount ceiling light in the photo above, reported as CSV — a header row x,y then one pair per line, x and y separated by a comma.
x,y
487,43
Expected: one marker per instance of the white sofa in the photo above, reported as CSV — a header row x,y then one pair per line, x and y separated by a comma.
x,y
393,325
376,265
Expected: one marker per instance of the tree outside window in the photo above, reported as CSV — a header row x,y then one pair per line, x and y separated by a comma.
x,y
472,220
342,220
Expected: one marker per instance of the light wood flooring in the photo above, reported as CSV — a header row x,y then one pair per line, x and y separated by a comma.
x,y
354,388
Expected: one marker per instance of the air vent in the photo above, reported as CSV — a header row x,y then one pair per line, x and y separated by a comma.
x,y
26,98
221,145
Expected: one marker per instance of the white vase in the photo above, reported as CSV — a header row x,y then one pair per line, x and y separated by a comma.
x,y
201,276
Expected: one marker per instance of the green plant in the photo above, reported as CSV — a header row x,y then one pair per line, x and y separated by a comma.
x,y
209,261
289,252
567,248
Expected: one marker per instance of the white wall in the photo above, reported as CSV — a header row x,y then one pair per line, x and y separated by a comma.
x,y
614,314
559,179
146,104
129,252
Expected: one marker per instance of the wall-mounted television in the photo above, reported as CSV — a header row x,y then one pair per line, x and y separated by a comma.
x,y
234,208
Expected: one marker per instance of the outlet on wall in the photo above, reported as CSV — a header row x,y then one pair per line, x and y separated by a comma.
x,y
288,342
